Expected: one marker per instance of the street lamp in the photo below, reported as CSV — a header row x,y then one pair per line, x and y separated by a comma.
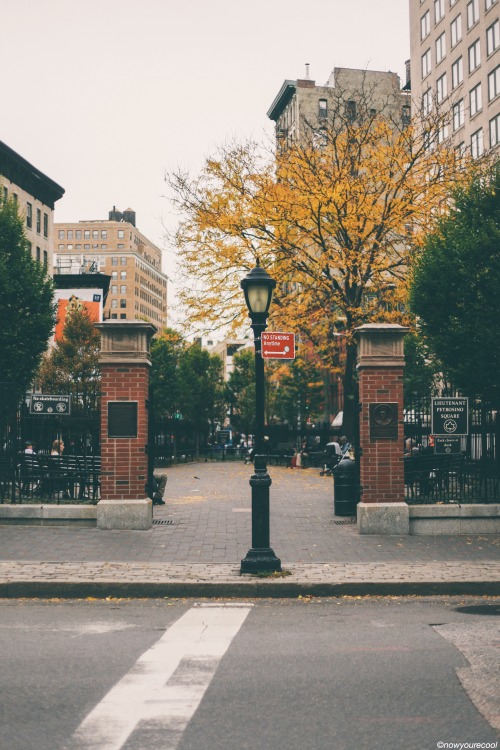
x,y
258,288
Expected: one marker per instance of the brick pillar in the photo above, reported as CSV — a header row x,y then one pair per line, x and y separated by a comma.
x,y
383,509
125,363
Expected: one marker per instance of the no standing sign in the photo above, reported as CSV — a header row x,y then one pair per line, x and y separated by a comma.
x,y
278,345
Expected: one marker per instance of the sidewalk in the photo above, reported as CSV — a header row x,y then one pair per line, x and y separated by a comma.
x,y
204,530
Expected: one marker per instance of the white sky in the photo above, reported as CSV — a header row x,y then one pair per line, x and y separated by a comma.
x,y
104,95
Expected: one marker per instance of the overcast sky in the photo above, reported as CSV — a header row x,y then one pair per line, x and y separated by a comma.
x,y
104,95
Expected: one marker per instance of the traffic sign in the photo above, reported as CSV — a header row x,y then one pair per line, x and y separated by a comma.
x,y
54,405
278,345
450,416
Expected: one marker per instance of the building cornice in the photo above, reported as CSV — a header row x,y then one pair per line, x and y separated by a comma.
x,y
284,96
27,177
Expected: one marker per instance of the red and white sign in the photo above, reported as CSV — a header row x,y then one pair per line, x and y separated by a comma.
x,y
278,345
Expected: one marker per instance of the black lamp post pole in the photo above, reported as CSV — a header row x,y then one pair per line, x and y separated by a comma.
x,y
260,557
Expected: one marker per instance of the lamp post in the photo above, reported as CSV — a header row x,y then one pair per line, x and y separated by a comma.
x,y
258,288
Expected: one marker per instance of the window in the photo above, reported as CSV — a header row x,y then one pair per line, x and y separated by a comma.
x,y
38,221
123,274
121,247
489,4
475,100
45,225
494,83
60,234
123,289
322,109
104,234
452,3
69,247
78,247
123,303
440,47
78,234
476,143
86,247
38,255
425,25
457,73
427,102
45,258
426,63
29,215
86,234
123,316
456,30
114,288
472,13
114,303
114,261
123,260
104,246
458,115
114,316
492,37
442,133
121,234
351,111
495,131
60,247
438,10
441,88
406,115
474,56
95,234
114,274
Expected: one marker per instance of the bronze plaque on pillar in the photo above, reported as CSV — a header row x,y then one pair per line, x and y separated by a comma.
x,y
384,421
122,419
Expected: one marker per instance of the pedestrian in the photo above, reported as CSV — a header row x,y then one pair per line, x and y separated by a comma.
x,y
345,446
28,448
57,448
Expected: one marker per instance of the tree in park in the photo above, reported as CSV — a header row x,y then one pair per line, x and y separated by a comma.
x,y
240,392
71,366
27,310
166,351
454,289
300,392
200,389
333,219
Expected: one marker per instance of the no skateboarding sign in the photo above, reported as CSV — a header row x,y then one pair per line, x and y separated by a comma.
x,y
450,416
55,405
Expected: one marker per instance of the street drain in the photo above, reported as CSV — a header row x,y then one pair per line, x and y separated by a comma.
x,y
163,522
345,522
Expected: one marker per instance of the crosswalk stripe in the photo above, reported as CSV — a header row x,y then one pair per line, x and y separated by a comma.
x,y
166,684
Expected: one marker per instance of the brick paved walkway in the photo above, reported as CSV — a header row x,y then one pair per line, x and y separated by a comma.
x,y
203,531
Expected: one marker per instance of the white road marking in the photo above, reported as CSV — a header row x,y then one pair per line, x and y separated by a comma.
x,y
166,684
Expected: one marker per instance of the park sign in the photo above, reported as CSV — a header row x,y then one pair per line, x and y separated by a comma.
x,y
450,416
278,345
53,405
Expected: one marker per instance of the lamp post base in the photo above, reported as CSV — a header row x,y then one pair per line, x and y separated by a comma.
x,y
261,560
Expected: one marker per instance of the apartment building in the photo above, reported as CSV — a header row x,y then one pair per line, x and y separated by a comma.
x,y
36,195
138,287
301,105
455,64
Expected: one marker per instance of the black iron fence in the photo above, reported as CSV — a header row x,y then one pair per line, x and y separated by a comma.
x,y
28,471
462,469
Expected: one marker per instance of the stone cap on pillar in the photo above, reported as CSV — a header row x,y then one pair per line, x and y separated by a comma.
x,y
125,341
381,345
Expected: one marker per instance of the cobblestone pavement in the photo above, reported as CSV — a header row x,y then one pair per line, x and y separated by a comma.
x,y
204,530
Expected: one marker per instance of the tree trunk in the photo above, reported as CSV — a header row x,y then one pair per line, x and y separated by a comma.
x,y
350,384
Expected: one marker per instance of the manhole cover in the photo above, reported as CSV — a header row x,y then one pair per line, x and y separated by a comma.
x,y
345,522
163,522
480,609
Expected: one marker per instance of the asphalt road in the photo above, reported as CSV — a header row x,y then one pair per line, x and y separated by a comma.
x,y
326,674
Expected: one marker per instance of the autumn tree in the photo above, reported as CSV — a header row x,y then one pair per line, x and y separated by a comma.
x,y
72,364
333,217
454,290
27,310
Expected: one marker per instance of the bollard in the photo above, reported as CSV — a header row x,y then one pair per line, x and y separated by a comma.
x,y
346,488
